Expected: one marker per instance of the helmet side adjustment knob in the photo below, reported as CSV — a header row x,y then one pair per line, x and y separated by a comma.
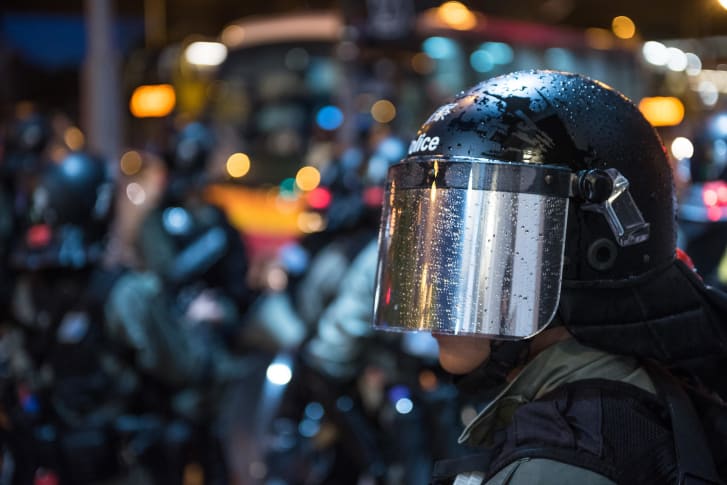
x,y
607,192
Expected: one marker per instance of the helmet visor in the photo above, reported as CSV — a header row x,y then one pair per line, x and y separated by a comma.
x,y
471,248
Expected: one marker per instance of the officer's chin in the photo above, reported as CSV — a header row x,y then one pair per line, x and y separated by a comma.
x,y
462,354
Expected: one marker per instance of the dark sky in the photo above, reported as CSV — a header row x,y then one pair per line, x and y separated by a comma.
x,y
655,19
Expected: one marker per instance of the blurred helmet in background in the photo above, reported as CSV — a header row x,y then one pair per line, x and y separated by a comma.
x,y
69,215
191,149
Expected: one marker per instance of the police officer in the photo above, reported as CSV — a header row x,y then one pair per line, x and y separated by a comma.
x,y
190,244
531,229
22,157
703,203
181,317
69,385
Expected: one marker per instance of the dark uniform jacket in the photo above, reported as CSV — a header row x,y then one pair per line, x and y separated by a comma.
x,y
565,362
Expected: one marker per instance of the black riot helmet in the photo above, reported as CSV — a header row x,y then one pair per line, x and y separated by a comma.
x,y
28,135
191,149
25,141
69,215
187,160
524,185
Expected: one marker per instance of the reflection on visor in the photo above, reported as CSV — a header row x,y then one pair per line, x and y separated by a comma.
x,y
465,260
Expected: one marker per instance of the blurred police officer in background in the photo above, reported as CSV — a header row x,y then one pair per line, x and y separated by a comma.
x,y
23,146
189,242
182,315
531,229
66,383
703,203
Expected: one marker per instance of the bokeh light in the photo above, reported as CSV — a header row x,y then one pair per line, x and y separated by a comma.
x,y
662,110
319,198
233,35
677,59
500,52
623,27
481,61
152,101
308,428
307,178
135,193
383,111
329,117
404,405
655,53
314,410
279,374
73,137
287,188
708,93
238,165
456,15
428,380
682,148
439,47
310,222
276,279
176,220
130,163
205,54
694,64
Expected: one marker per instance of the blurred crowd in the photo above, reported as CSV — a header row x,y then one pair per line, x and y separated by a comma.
x,y
144,347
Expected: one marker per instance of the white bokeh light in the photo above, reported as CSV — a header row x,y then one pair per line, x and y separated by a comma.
x,y
682,148
136,193
694,64
655,53
677,59
205,53
708,93
279,374
404,405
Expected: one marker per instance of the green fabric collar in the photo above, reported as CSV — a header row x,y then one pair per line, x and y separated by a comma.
x,y
565,361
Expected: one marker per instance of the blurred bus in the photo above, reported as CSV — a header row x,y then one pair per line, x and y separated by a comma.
x,y
298,89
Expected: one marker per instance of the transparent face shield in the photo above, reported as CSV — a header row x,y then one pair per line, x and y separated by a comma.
x,y
471,247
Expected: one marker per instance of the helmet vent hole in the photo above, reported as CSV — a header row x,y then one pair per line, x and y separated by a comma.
x,y
602,254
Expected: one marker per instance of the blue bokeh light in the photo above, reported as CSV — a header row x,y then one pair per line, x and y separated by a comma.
x,y
404,405
481,61
439,47
329,117
314,411
500,52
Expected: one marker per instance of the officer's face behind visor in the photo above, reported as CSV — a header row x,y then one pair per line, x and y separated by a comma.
x,y
471,247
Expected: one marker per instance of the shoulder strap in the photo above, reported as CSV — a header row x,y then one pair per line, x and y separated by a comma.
x,y
694,457
611,428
